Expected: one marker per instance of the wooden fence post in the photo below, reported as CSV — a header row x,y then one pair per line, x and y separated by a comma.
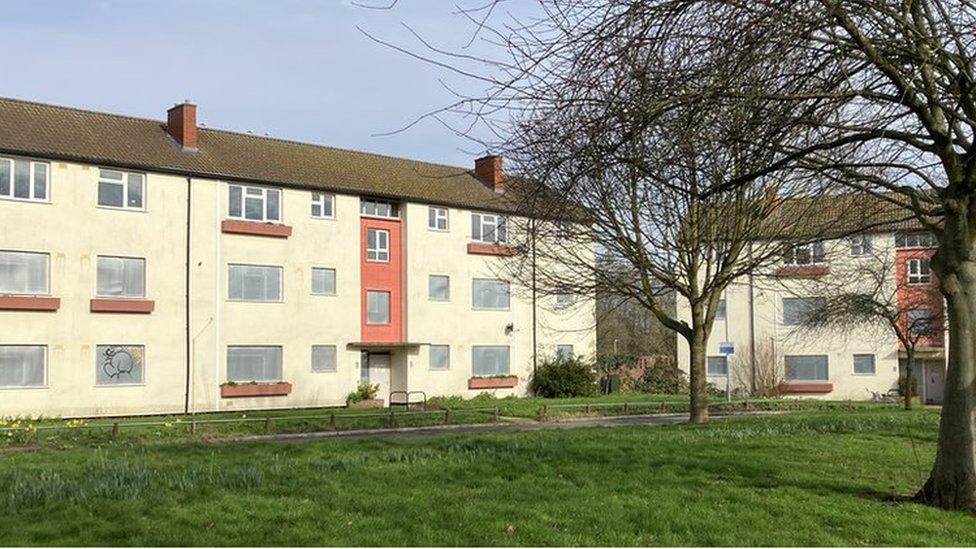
x,y
115,429
332,421
588,408
193,427
626,407
495,415
447,416
545,410
392,419
267,425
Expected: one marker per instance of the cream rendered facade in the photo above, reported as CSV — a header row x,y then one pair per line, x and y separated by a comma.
x,y
754,323
187,254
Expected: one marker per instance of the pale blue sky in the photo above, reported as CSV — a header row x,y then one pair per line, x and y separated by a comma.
x,y
295,69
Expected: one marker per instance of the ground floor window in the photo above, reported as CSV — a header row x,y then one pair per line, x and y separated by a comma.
x,y
806,368
717,366
23,365
864,364
490,360
324,358
440,357
564,352
253,363
120,364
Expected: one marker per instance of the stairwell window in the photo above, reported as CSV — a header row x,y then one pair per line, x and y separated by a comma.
x,y
439,288
24,273
440,357
324,358
915,240
490,360
23,179
121,190
323,206
378,208
919,271
377,307
377,245
490,228
811,253
23,365
121,277
437,218
254,203
254,283
921,322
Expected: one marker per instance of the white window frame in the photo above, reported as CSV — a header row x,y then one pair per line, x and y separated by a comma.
x,y
43,384
791,257
380,253
262,193
915,239
440,299
335,360
364,205
335,281
437,214
145,276
281,284
11,163
914,273
99,364
47,272
227,363
481,220
874,364
320,199
476,307
430,358
125,189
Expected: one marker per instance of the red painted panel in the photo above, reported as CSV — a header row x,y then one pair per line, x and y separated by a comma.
x,y
912,296
482,248
29,303
492,382
236,226
383,276
801,271
143,306
281,388
796,387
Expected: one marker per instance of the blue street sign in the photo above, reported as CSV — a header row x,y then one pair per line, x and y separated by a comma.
x,y
726,348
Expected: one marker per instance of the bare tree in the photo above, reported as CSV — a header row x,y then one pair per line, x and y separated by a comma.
x,y
874,294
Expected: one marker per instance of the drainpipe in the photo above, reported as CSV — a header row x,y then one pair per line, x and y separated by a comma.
x,y
752,332
189,354
218,302
535,344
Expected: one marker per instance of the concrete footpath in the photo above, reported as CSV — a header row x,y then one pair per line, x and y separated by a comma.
x,y
504,424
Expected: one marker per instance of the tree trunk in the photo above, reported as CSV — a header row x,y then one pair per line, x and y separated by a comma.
x,y
952,482
698,378
909,372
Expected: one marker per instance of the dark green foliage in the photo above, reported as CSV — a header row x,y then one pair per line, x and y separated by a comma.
x,y
365,391
664,377
564,377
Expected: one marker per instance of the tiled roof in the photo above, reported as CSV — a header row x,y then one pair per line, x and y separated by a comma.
x,y
48,131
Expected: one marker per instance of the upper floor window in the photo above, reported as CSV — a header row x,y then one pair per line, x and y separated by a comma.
x,y
379,208
437,218
121,189
919,271
121,277
921,322
487,227
377,245
489,294
323,205
720,312
805,254
254,203
439,288
323,281
860,245
23,179
24,273
254,283
915,240
377,307
797,310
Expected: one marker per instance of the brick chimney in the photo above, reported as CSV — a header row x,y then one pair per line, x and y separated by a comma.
x,y
488,169
181,123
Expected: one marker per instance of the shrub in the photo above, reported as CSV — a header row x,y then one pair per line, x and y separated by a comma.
x,y
564,377
365,391
663,377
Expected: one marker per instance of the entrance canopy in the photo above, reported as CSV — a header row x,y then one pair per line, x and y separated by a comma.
x,y
378,347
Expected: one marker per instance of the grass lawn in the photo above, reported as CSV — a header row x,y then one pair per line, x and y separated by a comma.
x,y
808,478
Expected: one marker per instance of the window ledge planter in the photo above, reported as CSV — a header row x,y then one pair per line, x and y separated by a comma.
x,y
502,382
805,388
237,226
29,303
140,306
801,271
368,403
235,390
484,248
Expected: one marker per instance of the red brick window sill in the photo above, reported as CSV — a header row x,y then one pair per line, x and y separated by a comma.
x,y
107,305
29,303
805,388
492,382
237,226
236,390
484,248
803,270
